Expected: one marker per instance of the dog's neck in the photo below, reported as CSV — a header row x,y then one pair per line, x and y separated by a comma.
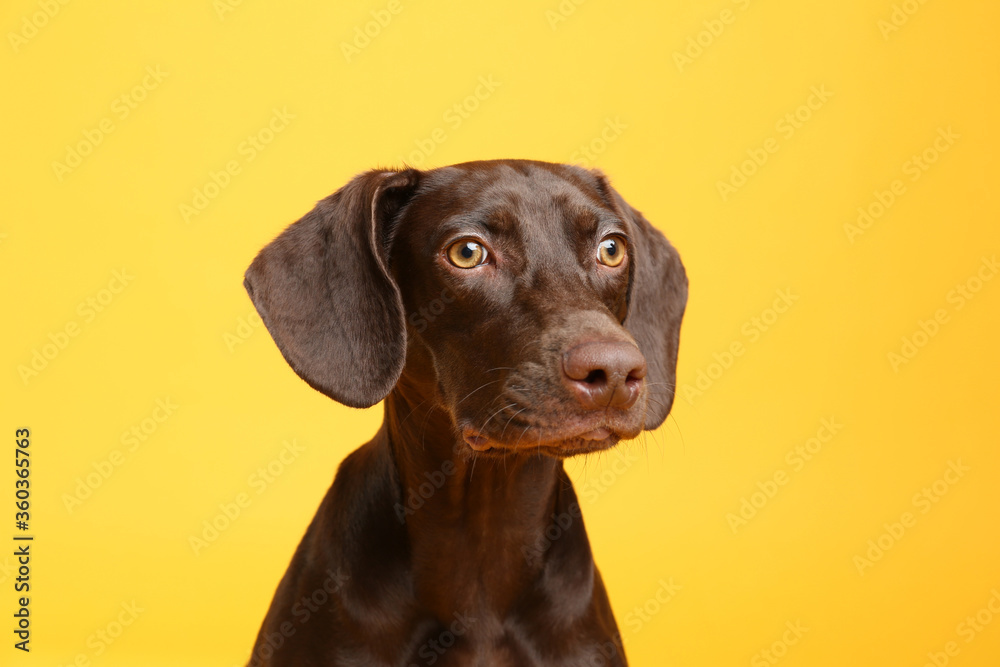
x,y
499,520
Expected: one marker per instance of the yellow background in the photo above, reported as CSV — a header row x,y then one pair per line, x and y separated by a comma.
x,y
566,73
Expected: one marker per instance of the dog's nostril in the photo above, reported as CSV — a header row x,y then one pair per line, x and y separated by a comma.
x,y
604,374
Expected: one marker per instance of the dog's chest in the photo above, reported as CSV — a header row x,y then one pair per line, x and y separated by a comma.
x,y
487,641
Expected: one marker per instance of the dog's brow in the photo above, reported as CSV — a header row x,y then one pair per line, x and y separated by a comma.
x,y
607,224
494,222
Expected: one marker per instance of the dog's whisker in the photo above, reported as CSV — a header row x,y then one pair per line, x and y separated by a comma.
x,y
677,424
522,435
488,419
485,384
414,409
511,419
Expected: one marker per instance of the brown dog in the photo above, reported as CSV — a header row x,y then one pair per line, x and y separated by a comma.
x,y
511,313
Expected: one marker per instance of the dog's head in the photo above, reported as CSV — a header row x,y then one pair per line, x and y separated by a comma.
x,y
541,311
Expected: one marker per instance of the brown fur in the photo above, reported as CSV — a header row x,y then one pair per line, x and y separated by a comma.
x,y
454,537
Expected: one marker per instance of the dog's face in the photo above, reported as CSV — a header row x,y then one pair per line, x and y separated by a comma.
x,y
546,309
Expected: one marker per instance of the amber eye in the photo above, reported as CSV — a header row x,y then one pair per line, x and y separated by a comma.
x,y
466,254
611,251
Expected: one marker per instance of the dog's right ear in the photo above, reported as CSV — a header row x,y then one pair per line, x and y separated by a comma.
x,y
658,292
324,291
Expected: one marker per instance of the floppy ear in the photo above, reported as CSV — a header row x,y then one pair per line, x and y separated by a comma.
x,y
324,291
658,289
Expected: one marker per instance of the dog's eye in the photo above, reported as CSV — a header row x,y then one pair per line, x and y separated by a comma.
x,y
611,251
466,254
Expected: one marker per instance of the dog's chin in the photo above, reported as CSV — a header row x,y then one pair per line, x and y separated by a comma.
x,y
586,443
557,442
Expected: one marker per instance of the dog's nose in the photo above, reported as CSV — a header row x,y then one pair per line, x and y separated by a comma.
x,y
604,374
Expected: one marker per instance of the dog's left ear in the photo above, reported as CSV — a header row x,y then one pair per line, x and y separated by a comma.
x,y
658,290
325,294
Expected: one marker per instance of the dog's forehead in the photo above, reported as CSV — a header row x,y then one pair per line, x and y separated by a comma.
x,y
518,184
517,198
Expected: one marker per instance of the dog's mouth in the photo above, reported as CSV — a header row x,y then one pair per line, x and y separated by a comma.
x,y
542,417
561,442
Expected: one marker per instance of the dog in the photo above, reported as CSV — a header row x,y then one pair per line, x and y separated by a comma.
x,y
511,314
